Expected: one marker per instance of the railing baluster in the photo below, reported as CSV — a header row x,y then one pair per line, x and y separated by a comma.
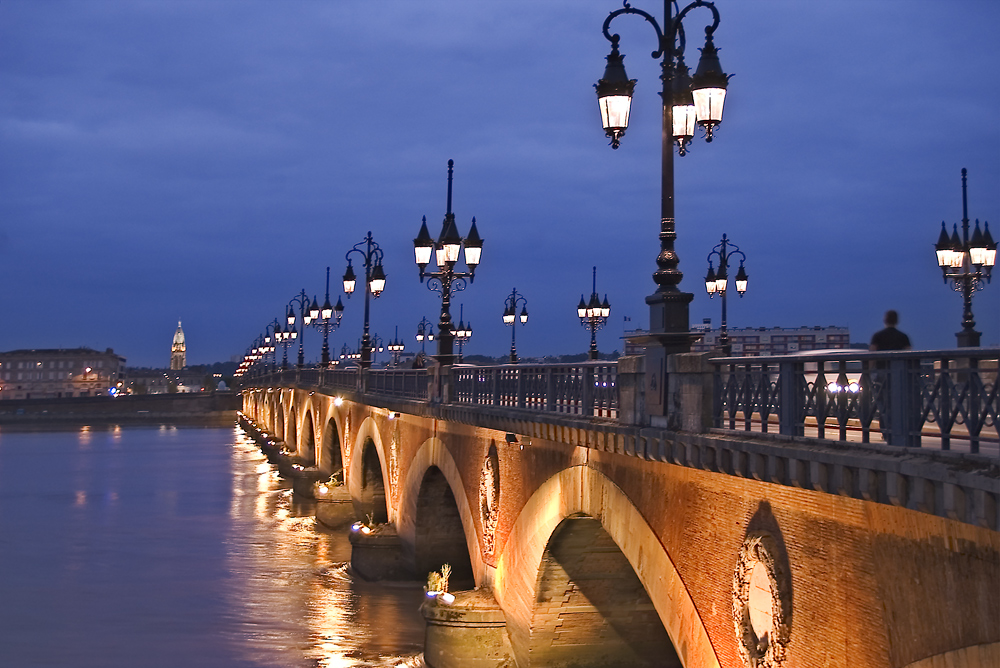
x,y
973,422
747,395
944,409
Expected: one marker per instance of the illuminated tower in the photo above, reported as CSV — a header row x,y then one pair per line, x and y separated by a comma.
x,y
178,350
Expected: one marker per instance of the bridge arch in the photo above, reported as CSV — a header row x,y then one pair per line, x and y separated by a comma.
x,y
367,480
331,457
581,492
280,407
292,433
270,410
433,459
967,657
306,448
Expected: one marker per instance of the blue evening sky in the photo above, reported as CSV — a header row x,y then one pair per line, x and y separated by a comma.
x,y
205,160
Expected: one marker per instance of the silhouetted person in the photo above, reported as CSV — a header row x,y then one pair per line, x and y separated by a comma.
x,y
890,338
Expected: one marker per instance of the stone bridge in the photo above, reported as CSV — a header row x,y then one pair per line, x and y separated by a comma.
x,y
581,539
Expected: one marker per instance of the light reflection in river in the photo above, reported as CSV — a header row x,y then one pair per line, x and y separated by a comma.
x,y
291,569
138,546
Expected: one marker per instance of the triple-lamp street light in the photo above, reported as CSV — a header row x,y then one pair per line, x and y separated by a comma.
x,y
327,319
593,315
284,336
348,354
717,282
271,337
260,350
377,346
308,311
687,101
446,280
425,332
371,255
395,347
510,318
463,332
968,263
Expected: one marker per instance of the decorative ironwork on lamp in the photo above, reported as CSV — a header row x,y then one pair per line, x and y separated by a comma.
x,y
967,263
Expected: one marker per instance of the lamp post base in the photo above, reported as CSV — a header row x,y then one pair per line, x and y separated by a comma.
x,y
669,322
968,338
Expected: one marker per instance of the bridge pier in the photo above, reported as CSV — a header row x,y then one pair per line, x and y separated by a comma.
x,y
469,632
334,508
377,553
303,479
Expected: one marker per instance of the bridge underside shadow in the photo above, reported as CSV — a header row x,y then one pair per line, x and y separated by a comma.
x,y
372,501
590,607
440,536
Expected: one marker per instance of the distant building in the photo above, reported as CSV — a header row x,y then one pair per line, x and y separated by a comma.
x,y
53,373
178,350
164,381
761,341
758,341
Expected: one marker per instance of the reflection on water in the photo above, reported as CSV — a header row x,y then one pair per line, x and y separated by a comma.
x,y
291,569
141,546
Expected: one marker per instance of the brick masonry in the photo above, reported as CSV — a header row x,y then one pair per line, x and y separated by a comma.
x,y
873,584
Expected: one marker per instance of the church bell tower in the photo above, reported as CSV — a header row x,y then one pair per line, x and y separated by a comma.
x,y
178,350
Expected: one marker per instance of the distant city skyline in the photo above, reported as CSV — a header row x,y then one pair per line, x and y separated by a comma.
x,y
204,162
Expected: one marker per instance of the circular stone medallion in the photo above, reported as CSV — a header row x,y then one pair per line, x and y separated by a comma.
x,y
761,603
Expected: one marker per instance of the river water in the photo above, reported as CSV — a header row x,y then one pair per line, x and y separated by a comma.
x,y
170,546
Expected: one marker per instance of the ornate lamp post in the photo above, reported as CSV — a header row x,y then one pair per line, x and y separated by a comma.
x,y
686,101
446,280
510,318
270,339
463,332
377,346
371,255
256,353
308,311
351,353
968,263
717,283
425,332
395,347
284,335
327,319
593,315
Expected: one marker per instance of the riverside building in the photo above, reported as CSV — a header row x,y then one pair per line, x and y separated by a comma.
x,y
60,372
762,341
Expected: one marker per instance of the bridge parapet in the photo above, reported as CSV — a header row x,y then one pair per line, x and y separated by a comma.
x,y
954,485
931,399
921,399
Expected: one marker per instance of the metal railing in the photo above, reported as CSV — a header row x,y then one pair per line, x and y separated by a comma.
x,y
945,399
408,383
586,388
932,399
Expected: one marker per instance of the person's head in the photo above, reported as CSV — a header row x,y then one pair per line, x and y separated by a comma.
x,y
891,318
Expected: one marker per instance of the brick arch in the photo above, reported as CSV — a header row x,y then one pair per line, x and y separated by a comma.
x,y
331,454
368,431
968,657
306,447
270,411
292,425
278,427
583,490
432,453
256,406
